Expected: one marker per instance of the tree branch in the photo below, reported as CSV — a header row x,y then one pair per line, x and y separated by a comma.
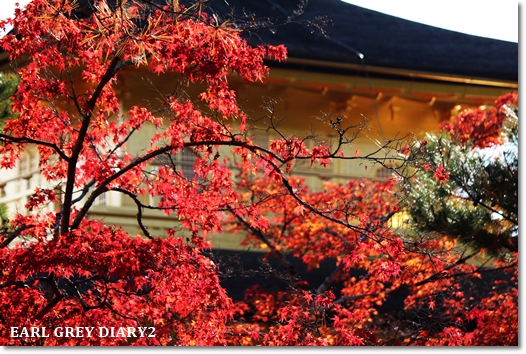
x,y
57,297
14,234
261,235
113,68
27,140
139,210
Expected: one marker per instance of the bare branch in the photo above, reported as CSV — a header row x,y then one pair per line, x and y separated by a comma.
x,y
27,140
139,210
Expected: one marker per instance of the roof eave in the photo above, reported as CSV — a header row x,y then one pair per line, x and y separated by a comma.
x,y
443,77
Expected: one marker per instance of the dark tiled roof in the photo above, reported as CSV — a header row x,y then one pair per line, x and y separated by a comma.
x,y
385,41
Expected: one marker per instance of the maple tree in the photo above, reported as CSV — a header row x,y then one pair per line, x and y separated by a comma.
x,y
426,265
69,270
63,268
8,84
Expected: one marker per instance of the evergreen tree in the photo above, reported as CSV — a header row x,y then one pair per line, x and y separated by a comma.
x,y
466,179
8,86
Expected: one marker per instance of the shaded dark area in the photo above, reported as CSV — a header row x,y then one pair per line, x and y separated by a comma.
x,y
434,320
240,270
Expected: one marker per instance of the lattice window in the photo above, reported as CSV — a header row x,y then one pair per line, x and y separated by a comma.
x,y
28,163
182,161
27,166
101,199
384,173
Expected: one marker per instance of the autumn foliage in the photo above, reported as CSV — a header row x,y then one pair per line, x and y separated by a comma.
x,y
63,268
481,127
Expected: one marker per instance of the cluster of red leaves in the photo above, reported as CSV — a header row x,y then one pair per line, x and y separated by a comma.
x,y
481,127
300,317
161,283
293,318
440,174
356,208
101,44
348,223
493,317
